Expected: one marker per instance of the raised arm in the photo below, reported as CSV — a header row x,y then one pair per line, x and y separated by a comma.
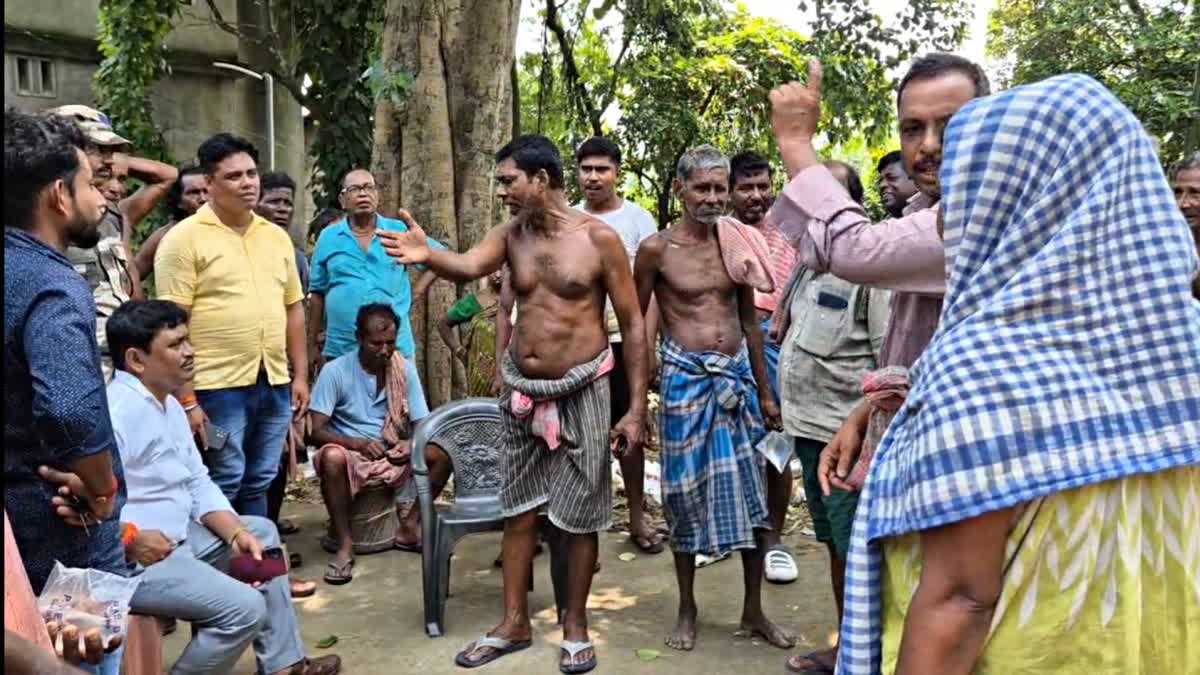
x,y
157,179
830,231
412,248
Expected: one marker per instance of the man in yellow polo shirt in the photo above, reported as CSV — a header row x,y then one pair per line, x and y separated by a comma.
x,y
235,273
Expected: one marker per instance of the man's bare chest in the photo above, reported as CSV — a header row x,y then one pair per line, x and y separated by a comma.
x,y
695,270
569,268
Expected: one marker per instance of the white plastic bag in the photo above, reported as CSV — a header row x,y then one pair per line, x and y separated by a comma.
x,y
776,446
88,599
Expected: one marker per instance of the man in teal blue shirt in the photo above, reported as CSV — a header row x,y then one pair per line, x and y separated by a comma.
x,y
350,269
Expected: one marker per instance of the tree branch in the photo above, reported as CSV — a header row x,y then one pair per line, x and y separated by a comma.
x,y
282,73
585,103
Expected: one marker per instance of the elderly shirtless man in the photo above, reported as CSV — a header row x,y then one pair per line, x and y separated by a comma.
x,y
716,394
555,402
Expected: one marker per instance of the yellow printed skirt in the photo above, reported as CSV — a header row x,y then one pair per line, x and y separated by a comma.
x,y
1100,580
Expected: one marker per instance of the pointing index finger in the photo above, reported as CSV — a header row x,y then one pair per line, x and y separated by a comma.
x,y
815,73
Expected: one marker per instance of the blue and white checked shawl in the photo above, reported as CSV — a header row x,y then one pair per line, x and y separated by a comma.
x,y
1068,351
712,477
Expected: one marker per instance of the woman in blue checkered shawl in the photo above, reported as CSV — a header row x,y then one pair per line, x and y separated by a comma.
x,y
1035,505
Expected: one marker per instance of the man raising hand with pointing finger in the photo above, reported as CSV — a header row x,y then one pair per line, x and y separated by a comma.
x,y
833,234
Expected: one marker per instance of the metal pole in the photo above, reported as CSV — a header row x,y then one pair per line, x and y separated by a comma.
x,y
270,83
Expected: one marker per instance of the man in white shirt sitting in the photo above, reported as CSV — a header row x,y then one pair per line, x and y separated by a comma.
x,y
178,524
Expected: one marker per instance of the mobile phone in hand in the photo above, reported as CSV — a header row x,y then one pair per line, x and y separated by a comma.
x,y
217,437
246,569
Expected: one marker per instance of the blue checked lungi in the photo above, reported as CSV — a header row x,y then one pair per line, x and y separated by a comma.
x,y
771,351
712,478
1068,350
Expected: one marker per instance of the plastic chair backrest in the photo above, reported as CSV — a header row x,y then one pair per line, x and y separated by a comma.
x,y
469,431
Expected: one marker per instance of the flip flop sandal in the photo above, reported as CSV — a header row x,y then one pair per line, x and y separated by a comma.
x,y
339,574
499,646
780,566
811,657
307,588
286,526
572,648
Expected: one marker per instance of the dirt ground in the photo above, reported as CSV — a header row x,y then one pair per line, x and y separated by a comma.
x,y
378,618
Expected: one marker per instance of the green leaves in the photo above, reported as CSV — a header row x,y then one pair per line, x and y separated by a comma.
x,y
695,71
132,36
647,655
327,642
337,42
392,85
1145,52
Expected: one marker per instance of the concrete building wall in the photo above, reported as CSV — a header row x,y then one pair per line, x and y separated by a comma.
x,y
194,102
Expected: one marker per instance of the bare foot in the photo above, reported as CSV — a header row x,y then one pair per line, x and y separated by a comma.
x,y
683,637
814,662
762,627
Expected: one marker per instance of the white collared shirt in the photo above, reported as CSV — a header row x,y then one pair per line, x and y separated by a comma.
x,y
167,482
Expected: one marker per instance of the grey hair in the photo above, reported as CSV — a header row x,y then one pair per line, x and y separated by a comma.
x,y
700,158
1188,163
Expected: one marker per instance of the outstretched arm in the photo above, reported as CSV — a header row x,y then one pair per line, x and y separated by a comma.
x,y
758,359
412,248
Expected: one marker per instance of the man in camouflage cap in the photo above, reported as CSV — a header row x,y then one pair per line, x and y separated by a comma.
x,y
108,267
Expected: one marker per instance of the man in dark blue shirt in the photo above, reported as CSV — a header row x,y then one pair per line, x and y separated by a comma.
x,y
55,409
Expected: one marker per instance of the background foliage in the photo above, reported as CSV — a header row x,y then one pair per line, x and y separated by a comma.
x,y
1147,53
132,36
663,75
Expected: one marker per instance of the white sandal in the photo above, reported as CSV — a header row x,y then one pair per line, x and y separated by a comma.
x,y
780,566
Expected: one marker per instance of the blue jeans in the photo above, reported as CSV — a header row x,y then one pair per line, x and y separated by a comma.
x,y
192,584
256,418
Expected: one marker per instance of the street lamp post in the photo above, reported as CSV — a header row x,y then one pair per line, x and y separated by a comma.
x,y
269,81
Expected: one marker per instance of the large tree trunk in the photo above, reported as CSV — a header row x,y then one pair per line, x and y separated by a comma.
x,y
433,155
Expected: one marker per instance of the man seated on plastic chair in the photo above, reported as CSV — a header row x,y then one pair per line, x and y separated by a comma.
x,y
363,409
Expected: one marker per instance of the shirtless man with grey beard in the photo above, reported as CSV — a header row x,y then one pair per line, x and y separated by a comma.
x,y
715,391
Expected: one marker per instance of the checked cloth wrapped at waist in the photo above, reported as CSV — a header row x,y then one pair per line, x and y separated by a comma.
x,y
885,389
571,413
394,470
541,402
712,478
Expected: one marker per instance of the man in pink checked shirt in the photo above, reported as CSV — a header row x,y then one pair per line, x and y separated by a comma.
x,y
833,234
